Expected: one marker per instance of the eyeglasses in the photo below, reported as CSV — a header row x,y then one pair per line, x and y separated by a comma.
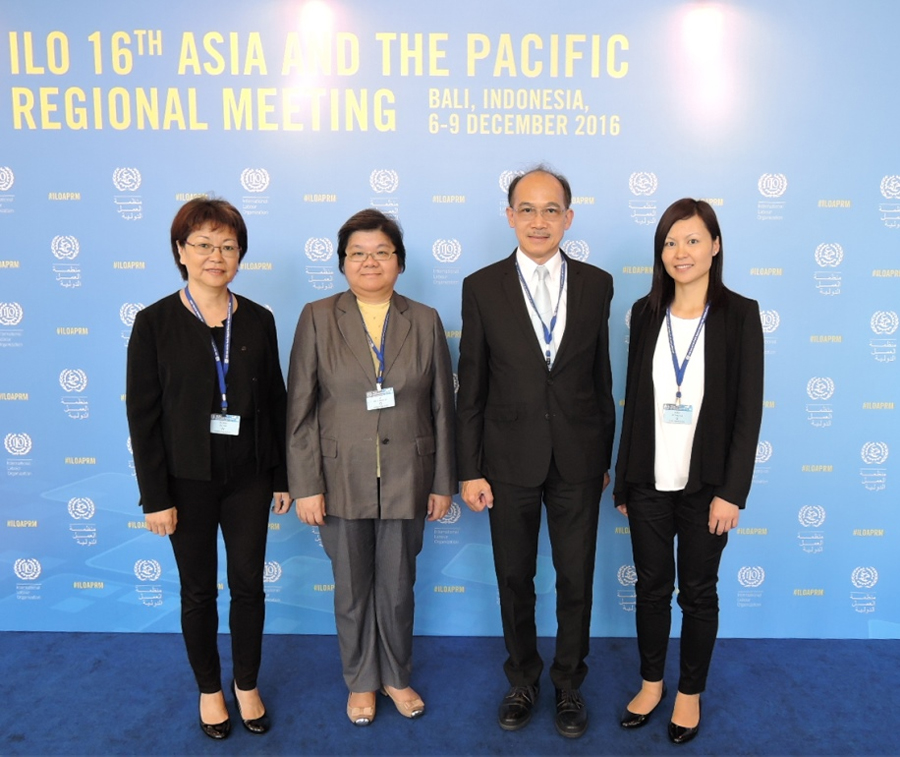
x,y
360,257
529,212
205,248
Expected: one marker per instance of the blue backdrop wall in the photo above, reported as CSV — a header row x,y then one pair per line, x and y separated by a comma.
x,y
781,113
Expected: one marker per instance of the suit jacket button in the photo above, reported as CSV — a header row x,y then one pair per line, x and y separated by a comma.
x,y
547,416
385,441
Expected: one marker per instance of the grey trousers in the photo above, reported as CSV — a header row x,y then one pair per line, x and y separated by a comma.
x,y
374,564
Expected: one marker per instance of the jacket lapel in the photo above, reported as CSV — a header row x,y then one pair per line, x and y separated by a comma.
x,y
512,289
397,331
350,322
574,297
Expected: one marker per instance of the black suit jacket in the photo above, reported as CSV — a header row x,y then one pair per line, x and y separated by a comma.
x,y
724,449
169,389
513,414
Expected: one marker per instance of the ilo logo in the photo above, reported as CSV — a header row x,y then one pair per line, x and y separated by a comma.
x,y
7,179
884,322
255,179
73,380
384,181
772,185
452,516
627,575
642,183
829,255
820,388
271,571
864,577
874,453
10,313
81,508
763,452
147,570
64,247
128,311
318,249
890,187
770,321
27,569
811,516
446,250
577,249
506,178
17,444
751,576
127,179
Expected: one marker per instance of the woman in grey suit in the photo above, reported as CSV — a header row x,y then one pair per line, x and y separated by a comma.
x,y
370,453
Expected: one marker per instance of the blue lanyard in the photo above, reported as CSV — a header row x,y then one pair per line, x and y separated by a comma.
x,y
221,365
379,353
548,332
680,370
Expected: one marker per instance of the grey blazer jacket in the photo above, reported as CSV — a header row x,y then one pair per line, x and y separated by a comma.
x,y
331,436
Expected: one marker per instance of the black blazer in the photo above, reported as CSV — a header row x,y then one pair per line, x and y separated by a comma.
x,y
169,389
512,413
724,449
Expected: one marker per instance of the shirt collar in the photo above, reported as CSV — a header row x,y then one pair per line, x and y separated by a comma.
x,y
527,266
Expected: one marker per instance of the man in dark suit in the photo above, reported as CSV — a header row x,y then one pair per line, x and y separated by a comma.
x,y
535,422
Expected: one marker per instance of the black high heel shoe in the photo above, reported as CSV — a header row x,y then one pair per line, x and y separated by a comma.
x,y
634,720
680,734
254,725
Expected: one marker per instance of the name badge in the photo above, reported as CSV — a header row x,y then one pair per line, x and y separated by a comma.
x,y
380,398
229,425
678,413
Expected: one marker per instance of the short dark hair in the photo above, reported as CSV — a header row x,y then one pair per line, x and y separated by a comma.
x,y
199,212
371,220
541,168
662,290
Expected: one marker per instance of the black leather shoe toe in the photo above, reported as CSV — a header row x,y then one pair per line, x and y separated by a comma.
x,y
634,720
516,707
254,725
217,731
681,734
571,713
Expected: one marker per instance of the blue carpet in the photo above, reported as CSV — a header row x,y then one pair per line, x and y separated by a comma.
x,y
133,694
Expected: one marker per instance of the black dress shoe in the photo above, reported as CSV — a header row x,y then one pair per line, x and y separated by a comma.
x,y
634,720
679,734
255,725
516,707
571,713
217,731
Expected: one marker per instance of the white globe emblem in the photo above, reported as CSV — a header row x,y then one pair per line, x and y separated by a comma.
x,y
820,388
7,179
751,576
127,179
577,249
128,445
27,569
890,187
874,453
884,322
17,444
763,452
271,571
128,311
642,184
506,178
446,250
318,249
10,313
73,380
255,179
452,516
811,516
770,320
772,184
81,508
64,247
384,181
627,575
147,570
864,578
829,255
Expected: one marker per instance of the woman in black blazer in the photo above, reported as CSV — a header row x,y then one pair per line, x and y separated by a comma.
x,y
693,408
206,407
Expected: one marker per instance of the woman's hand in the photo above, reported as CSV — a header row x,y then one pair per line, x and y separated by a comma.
x,y
311,510
438,505
281,503
623,509
723,516
163,522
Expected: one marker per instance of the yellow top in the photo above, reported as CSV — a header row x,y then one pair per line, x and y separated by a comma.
x,y
373,318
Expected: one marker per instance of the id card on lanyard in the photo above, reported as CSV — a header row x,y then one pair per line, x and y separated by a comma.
x,y
220,423
675,412
381,397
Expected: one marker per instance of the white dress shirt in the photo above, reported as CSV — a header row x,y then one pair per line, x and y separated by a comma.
x,y
554,267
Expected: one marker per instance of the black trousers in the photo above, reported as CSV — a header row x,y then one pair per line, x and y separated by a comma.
x,y
572,514
240,506
655,519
